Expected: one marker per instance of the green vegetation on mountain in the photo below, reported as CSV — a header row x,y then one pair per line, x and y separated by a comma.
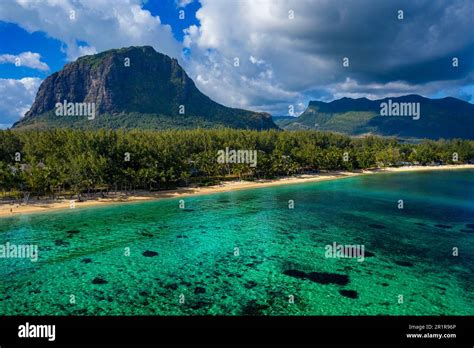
x,y
439,118
120,120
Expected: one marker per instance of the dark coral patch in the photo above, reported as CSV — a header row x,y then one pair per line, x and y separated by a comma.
x,y
188,210
149,253
250,284
199,290
328,278
443,226
404,263
60,242
471,226
86,260
172,286
319,277
254,308
71,233
99,280
199,305
349,293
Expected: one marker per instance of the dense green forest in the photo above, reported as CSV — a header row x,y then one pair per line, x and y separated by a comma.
x,y
75,161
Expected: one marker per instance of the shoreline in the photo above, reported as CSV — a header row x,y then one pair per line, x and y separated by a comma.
x,y
50,205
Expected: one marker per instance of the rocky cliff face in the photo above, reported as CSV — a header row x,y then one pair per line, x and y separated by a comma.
x,y
127,82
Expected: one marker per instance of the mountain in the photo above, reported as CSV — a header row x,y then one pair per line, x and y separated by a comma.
x,y
281,118
438,118
134,87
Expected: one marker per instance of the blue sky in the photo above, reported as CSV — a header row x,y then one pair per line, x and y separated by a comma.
x,y
168,11
289,51
15,39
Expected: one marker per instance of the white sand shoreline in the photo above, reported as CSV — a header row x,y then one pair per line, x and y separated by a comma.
x,y
8,209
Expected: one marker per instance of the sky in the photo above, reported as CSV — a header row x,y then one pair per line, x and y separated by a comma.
x,y
262,55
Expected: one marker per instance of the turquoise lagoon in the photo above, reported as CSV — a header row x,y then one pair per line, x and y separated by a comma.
x,y
246,253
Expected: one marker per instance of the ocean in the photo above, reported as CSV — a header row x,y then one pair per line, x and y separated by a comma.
x,y
254,252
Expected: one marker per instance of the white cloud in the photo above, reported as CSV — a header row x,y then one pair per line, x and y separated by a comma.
x,y
28,59
256,61
102,24
283,61
287,61
183,3
17,97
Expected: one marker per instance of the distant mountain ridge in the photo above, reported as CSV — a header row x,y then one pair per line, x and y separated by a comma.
x,y
439,118
134,87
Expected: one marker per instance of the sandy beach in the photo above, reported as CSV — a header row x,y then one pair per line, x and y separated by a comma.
x,y
35,206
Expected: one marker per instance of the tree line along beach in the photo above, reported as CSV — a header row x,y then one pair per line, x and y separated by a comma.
x,y
42,170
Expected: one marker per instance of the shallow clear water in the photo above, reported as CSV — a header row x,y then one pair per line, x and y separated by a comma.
x,y
281,252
